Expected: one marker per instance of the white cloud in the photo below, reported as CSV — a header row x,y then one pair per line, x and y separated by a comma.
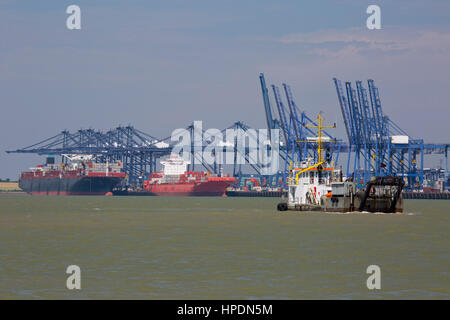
x,y
360,41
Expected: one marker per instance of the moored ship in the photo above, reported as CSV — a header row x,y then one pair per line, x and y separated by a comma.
x,y
174,180
79,176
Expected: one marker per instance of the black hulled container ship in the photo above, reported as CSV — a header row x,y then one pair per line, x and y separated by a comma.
x,y
79,176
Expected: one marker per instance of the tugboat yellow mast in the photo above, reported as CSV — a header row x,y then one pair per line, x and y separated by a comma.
x,y
320,128
319,139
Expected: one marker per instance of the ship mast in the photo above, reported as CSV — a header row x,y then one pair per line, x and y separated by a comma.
x,y
319,139
320,128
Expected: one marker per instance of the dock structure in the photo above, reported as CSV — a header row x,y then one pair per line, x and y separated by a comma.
x,y
427,195
258,194
375,145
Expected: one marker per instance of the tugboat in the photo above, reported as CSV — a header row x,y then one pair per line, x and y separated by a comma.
x,y
320,187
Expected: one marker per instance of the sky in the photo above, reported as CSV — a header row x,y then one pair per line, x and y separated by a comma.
x,y
159,65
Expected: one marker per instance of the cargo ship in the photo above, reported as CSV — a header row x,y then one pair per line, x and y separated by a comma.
x,y
78,176
174,180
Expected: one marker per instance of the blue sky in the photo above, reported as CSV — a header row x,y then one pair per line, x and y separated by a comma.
x,y
159,65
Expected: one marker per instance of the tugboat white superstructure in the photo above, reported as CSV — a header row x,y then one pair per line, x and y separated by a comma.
x,y
308,183
318,186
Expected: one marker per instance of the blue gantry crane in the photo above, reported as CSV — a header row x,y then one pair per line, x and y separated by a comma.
x,y
295,127
377,145
139,151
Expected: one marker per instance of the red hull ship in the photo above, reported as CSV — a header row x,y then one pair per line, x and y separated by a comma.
x,y
77,178
176,181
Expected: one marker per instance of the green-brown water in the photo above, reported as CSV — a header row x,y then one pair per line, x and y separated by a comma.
x,y
213,248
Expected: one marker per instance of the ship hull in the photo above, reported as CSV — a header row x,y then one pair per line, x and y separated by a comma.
x,y
69,186
187,194
203,189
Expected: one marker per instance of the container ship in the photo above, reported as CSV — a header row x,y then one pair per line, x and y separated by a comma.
x,y
174,180
79,176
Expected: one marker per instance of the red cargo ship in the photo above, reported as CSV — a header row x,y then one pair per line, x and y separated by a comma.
x,y
174,180
79,177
